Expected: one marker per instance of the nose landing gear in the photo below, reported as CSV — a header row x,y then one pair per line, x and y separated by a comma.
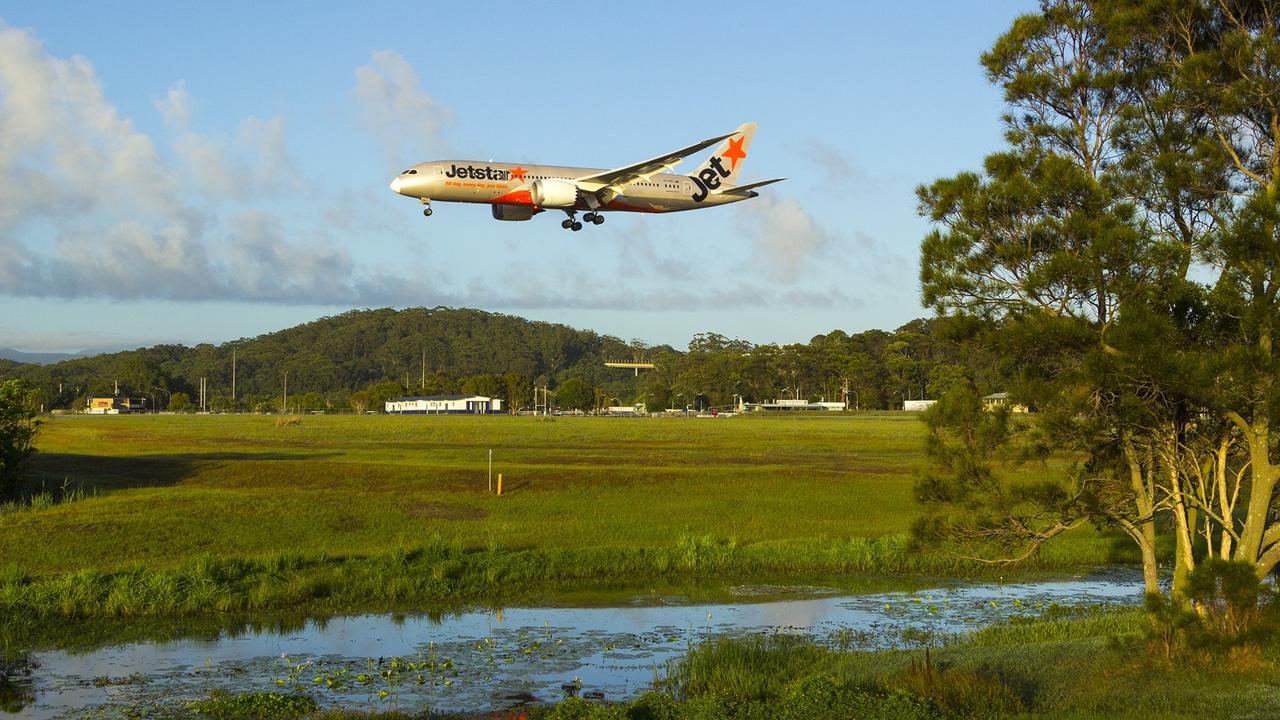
x,y
426,211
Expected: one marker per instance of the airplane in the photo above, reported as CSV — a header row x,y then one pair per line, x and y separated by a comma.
x,y
518,191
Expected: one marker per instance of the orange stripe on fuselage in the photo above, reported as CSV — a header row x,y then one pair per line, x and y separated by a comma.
x,y
515,197
525,197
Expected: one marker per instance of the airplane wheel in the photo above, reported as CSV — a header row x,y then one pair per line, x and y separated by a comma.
x,y
566,224
427,212
589,217
577,226
598,219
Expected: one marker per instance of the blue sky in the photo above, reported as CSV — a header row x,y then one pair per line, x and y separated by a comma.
x,y
186,173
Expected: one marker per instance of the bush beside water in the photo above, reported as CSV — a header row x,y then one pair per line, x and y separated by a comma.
x,y
438,574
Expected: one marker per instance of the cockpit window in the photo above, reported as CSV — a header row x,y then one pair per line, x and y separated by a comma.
x,y
410,172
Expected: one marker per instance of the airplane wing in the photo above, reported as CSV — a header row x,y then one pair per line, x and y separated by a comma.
x,y
643,170
743,189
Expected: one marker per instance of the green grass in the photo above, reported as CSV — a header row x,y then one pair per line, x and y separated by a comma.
x,y
228,513
1081,664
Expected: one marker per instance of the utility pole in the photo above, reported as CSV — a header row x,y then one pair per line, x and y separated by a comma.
x,y
233,379
424,370
286,392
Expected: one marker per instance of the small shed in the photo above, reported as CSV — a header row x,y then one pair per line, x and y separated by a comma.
x,y
1000,399
116,405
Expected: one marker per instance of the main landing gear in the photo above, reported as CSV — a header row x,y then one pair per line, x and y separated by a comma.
x,y
570,223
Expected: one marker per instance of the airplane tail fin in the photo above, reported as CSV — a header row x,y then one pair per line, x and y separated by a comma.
x,y
726,161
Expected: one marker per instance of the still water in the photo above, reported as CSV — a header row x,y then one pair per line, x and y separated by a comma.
x,y
488,659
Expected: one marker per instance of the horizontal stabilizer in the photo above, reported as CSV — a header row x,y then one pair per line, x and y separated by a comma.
x,y
743,189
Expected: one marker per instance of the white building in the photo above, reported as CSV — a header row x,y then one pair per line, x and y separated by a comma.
x,y
444,405
785,405
917,405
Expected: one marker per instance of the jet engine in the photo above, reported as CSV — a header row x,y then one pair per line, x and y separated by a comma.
x,y
512,212
554,193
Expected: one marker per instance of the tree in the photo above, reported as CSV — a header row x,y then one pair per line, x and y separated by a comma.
x,y
484,385
1047,252
19,413
517,390
359,402
379,393
179,402
1141,139
575,394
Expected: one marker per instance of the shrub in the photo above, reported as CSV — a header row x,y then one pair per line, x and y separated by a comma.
x,y
259,706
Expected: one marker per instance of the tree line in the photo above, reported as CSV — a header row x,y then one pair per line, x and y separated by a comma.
x,y
355,361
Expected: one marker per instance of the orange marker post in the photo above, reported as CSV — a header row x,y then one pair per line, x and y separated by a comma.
x,y
499,483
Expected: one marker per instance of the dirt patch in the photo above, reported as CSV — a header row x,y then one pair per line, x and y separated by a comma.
x,y
442,511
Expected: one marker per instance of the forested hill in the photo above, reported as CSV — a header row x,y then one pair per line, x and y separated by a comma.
x,y
356,360
337,355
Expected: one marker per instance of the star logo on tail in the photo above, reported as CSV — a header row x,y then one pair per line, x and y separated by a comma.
x,y
735,152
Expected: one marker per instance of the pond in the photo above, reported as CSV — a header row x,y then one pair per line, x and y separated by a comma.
x,y
494,659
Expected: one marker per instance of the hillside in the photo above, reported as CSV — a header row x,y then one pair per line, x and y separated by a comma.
x,y
338,355
43,358
358,359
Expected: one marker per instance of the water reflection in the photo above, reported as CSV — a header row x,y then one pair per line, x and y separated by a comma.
x,y
496,658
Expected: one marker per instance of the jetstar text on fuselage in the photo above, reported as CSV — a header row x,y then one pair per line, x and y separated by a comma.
x,y
471,172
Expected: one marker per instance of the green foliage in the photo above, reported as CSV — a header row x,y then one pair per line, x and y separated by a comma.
x,y
957,693
1140,142
379,393
485,385
19,411
1232,599
575,394
972,500
180,402
258,706
339,356
790,677
1226,606
754,668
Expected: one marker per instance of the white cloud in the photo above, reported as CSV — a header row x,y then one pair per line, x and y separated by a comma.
x,y
253,164
838,169
784,237
62,144
175,106
403,118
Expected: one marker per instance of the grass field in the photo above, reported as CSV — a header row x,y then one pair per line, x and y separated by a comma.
x,y
214,498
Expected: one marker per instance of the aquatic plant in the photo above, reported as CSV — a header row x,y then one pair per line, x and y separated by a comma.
x,y
258,706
